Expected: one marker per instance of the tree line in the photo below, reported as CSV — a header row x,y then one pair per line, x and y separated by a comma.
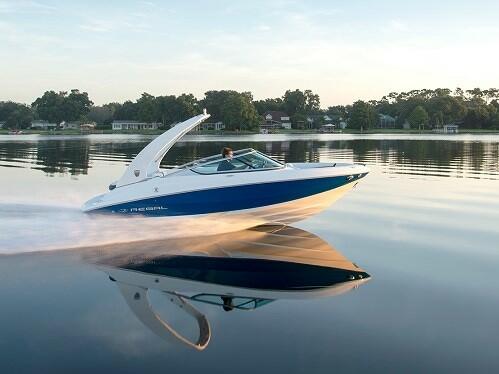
x,y
474,108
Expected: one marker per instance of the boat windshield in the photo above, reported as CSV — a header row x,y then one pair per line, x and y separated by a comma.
x,y
244,160
232,302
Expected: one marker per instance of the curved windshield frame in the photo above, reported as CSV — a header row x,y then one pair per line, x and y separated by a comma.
x,y
237,302
245,160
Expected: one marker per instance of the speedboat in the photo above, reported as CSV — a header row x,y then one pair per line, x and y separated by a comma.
x,y
256,185
240,271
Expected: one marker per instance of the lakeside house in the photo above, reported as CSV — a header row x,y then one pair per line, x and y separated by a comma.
x,y
450,128
310,122
320,120
2,124
69,125
327,128
334,119
211,126
386,121
135,125
274,119
77,126
43,125
88,126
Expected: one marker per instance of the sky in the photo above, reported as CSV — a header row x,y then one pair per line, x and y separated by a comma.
x,y
342,50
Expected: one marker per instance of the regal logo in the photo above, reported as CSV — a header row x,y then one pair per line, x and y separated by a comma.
x,y
142,209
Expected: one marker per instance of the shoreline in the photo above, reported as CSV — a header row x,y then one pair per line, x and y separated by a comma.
x,y
245,133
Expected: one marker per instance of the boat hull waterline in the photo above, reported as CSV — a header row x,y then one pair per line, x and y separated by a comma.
x,y
229,199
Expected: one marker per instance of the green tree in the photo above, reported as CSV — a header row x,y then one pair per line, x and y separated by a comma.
x,y
101,115
491,94
266,105
299,120
312,102
238,112
418,117
475,93
126,111
294,102
15,115
362,115
57,107
188,105
340,111
437,119
477,117
446,108
170,109
75,105
146,108
112,107
49,106
214,101
494,121
167,109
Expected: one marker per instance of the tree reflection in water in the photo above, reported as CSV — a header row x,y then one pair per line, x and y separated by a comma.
x,y
74,156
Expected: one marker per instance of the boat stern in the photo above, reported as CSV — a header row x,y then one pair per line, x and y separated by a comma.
x,y
94,203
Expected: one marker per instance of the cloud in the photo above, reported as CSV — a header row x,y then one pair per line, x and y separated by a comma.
x,y
135,21
263,28
97,26
25,7
21,38
398,25
487,30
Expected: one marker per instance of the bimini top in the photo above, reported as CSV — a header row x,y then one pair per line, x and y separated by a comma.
x,y
146,164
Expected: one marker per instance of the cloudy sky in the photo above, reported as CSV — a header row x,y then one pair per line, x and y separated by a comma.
x,y
342,50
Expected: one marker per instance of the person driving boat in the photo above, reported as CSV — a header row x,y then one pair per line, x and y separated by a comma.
x,y
226,164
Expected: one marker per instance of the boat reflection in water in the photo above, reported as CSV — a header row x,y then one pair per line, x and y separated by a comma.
x,y
238,271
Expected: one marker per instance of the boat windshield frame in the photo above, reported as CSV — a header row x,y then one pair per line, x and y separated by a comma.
x,y
243,303
236,154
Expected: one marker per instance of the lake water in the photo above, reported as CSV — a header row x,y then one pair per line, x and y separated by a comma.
x,y
424,224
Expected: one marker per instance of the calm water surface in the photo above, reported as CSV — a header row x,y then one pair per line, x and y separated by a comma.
x,y
424,225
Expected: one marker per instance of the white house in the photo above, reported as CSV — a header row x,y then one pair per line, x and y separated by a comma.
x,y
275,119
310,122
135,125
88,126
324,119
214,126
327,128
451,129
43,125
447,129
2,124
70,125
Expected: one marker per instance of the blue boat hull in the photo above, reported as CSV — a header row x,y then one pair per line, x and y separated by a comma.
x,y
225,199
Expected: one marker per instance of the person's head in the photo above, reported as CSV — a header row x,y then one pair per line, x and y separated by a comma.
x,y
227,152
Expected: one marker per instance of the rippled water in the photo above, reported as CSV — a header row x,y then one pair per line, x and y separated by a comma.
x,y
451,156
423,224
